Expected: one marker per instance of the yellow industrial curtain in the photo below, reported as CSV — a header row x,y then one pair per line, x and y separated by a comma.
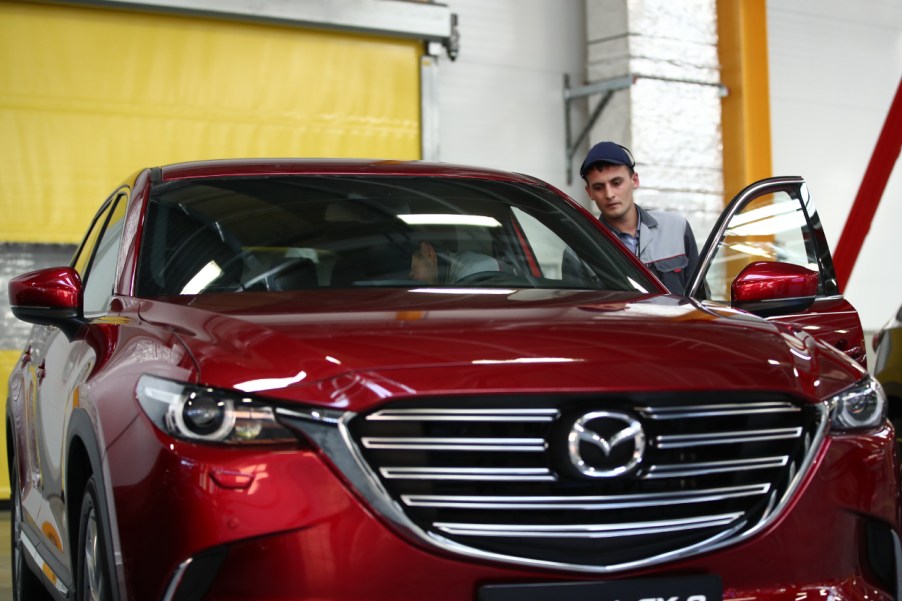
x,y
88,95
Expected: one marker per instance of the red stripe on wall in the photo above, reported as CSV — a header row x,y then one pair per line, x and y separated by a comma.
x,y
886,152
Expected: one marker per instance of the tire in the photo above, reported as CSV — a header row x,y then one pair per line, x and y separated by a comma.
x,y
26,585
93,582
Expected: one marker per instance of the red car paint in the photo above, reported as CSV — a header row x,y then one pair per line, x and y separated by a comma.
x,y
315,516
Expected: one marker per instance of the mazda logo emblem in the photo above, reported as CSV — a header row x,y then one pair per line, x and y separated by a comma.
x,y
605,444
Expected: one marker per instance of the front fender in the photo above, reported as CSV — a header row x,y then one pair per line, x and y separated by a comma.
x,y
84,458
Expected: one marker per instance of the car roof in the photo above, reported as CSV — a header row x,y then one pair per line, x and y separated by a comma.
x,y
320,166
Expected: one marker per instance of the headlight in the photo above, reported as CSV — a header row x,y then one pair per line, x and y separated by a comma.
x,y
862,405
204,414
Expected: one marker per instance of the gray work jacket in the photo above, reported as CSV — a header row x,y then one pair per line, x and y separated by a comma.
x,y
667,246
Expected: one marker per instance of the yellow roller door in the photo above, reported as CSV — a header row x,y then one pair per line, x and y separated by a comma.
x,y
87,95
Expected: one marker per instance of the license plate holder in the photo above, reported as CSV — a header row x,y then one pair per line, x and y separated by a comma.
x,y
685,588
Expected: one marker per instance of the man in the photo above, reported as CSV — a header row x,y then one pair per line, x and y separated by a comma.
x,y
662,240
437,267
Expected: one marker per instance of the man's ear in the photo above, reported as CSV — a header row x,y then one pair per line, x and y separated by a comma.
x,y
635,179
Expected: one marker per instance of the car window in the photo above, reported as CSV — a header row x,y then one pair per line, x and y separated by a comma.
x,y
310,232
772,227
85,251
96,260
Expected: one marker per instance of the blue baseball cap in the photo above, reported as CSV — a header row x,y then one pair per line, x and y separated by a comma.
x,y
607,152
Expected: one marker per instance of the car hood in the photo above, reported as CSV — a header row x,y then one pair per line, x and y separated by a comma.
x,y
355,349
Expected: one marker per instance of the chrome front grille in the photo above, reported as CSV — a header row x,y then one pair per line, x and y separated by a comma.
x,y
501,477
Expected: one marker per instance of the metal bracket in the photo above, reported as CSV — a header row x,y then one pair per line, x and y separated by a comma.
x,y
607,88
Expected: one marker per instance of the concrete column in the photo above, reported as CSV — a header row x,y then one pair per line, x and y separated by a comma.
x,y
670,115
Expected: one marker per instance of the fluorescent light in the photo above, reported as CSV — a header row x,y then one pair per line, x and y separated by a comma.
x,y
526,360
202,278
270,383
449,219
636,285
464,290
751,250
768,226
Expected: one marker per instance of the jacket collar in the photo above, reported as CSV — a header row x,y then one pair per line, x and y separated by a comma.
x,y
645,220
645,217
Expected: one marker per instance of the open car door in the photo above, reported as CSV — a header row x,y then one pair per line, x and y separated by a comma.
x,y
768,255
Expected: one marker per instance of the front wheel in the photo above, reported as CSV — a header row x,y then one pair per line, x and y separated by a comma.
x,y
93,576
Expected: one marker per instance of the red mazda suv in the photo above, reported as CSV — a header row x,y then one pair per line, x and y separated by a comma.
x,y
243,387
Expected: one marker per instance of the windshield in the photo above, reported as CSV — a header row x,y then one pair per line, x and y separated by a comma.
x,y
325,231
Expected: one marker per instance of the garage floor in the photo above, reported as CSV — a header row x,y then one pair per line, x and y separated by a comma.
x,y
6,574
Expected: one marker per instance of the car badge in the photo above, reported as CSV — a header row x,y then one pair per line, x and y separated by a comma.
x,y
605,444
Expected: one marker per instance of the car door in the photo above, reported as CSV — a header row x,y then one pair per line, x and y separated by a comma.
x,y
59,365
774,221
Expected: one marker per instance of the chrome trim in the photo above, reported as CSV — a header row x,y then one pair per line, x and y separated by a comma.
x,y
335,441
337,444
316,415
52,577
460,415
716,410
588,503
29,546
581,433
526,474
176,579
712,467
587,530
682,441
711,542
456,444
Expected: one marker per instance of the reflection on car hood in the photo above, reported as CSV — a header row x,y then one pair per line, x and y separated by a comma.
x,y
312,346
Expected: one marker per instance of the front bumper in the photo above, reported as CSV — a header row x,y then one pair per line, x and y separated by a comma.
x,y
285,524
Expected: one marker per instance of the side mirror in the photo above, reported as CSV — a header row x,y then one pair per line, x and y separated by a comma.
x,y
770,287
50,297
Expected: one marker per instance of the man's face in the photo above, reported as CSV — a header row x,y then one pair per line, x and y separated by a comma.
x,y
424,264
611,188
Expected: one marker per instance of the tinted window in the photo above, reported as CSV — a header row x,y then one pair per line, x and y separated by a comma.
x,y
102,270
95,260
306,232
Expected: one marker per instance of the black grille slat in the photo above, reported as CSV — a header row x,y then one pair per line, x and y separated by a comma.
x,y
494,474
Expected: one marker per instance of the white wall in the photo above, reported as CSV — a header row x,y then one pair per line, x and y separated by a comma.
x,y
501,102
834,68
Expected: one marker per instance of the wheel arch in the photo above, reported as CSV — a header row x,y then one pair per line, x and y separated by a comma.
x,y
84,459
10,444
